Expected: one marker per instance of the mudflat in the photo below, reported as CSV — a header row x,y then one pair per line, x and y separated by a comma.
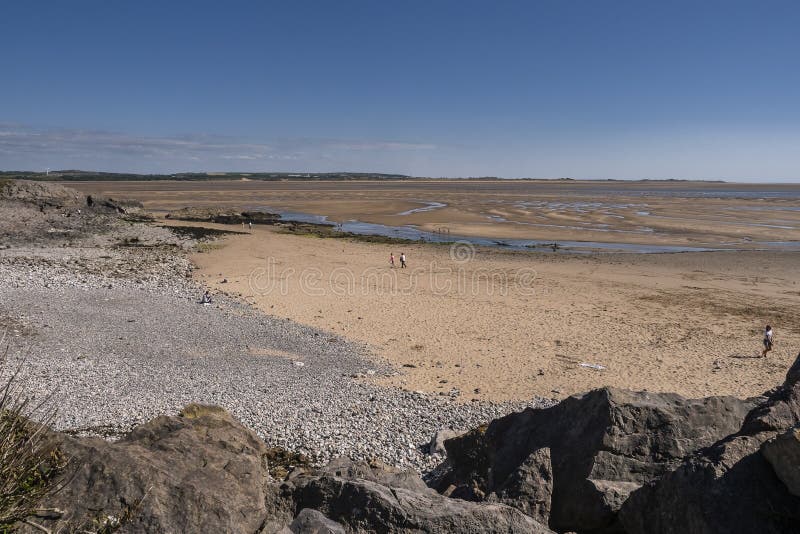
x,y
696,214
493,324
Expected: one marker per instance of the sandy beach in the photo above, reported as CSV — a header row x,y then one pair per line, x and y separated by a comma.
x,y
494,324
504,326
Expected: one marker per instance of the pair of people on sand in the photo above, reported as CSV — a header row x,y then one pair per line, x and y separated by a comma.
x,y
402,260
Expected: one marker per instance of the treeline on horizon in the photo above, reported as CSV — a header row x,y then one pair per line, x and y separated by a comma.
x,y
96,176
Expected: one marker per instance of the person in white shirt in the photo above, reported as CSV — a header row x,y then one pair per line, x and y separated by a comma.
x,y
402,260
767,341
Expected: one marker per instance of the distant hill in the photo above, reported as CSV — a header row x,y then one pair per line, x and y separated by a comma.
x,y
85,176
96,176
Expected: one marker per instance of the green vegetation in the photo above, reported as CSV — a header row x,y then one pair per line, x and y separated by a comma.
x,y
199,232
330,232
194,410
207,247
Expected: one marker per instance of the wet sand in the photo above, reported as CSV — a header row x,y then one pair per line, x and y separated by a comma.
x,y
697,214
499,325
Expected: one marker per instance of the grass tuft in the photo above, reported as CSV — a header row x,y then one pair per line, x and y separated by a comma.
x,y
29,462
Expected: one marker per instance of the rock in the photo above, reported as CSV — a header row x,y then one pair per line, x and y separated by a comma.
x,y
310,521
200,472
592,449
375,471
729,487
530,487
378,505
783,453
436,445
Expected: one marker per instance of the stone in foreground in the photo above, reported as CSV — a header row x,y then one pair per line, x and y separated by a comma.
x,y
730,487
573,465
783,453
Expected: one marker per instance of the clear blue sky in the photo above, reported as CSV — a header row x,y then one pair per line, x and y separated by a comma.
x,y
586,89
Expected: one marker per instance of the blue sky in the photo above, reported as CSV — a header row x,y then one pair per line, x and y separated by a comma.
x,y
586,89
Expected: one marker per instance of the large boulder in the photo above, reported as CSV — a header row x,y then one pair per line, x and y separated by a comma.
x,y
730,487
199,472
783,453
573,465
376,499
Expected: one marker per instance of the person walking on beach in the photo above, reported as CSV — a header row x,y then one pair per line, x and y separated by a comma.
x,y
767,341
402,260
251,225
391,259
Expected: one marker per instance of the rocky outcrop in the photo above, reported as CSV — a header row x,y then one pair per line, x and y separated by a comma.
x,y
573,465
43,213
118,206
730,487
223,216
202,471
41,194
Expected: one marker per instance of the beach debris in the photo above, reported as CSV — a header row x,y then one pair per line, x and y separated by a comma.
x,y
454,392
370,372
410,365
299,364
595,366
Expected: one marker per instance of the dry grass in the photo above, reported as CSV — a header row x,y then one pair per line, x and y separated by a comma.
x,y
208,247
29,462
